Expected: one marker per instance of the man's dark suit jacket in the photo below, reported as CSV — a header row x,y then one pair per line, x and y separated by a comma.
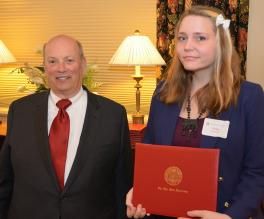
x,y
100,176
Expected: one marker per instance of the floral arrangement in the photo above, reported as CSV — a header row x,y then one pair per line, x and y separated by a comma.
x,y
35,75
88,79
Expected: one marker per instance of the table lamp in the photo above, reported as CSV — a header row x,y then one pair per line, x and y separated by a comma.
x,y
137,50
5,55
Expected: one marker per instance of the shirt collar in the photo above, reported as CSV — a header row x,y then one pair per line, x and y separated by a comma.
x,y
74,99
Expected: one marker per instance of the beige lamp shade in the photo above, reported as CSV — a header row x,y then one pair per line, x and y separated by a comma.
x,y
137,50
5,55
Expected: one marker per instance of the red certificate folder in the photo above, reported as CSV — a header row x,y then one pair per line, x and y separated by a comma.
x,y
171,180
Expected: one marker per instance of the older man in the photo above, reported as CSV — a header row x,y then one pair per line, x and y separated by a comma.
x,y
67,153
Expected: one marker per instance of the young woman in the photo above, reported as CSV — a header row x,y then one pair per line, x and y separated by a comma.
x,y
204,81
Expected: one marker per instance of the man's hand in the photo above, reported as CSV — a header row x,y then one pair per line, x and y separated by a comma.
x,y
132,211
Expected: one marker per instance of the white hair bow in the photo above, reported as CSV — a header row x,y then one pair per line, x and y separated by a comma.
x,y
221,21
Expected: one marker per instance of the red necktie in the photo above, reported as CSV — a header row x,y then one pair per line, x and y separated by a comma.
x,y
59,137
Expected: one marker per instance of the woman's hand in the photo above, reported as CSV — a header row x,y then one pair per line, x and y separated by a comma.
x,y
203,214
132,211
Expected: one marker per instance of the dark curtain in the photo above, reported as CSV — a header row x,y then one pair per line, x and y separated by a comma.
x,y
168,12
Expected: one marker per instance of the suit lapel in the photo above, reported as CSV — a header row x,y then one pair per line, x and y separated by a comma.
x,y
42,138
87,138
169,121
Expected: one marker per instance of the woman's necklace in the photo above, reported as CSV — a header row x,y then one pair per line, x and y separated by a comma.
x,y
190,126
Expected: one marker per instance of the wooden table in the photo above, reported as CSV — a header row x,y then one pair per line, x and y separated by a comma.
x,y
3,129
2,133
136,133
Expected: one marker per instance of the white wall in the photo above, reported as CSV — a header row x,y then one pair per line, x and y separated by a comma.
x,y
100,25
255,59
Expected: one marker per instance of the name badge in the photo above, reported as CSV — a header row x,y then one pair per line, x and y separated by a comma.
x,y
215,128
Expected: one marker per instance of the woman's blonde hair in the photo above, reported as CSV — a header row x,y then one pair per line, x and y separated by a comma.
x,y
223,88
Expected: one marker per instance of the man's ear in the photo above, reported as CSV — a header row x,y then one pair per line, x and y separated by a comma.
x,y
44,68
84,65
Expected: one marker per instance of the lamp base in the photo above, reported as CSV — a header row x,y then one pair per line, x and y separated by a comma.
x,y
138,118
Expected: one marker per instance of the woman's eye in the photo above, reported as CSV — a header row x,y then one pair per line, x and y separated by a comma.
x,y
181,38
200,38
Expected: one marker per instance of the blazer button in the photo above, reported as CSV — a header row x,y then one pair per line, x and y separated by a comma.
x,y
220,179
226,204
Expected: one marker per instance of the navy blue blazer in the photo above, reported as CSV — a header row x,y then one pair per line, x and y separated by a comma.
x,y
241,166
